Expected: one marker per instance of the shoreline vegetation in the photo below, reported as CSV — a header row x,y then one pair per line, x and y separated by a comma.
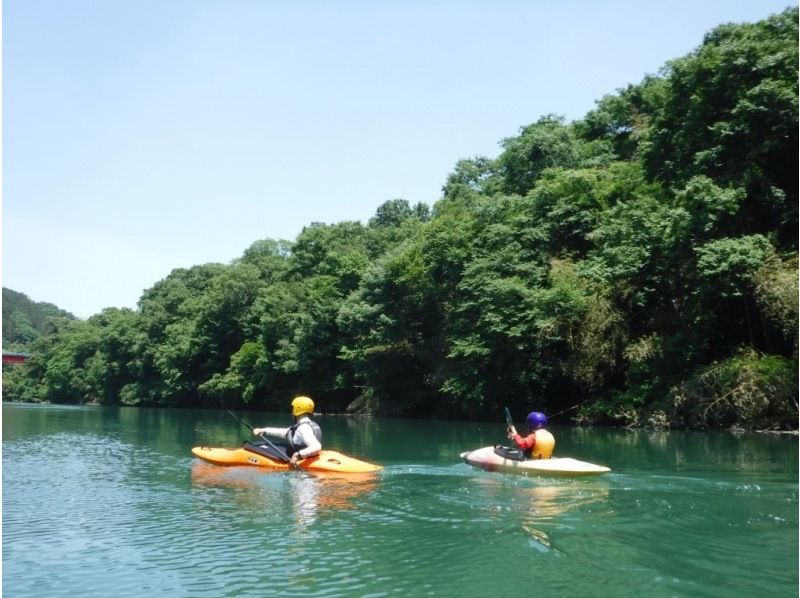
x,y
635,268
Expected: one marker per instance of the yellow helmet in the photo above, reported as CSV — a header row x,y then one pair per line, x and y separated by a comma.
x,y
302,405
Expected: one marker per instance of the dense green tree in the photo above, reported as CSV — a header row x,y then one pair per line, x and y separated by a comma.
x,y
727,269
25,320
478,174
118,364
62,367
243,381
776,292
173,362
624,119
731,113
547,143
394,326
269,256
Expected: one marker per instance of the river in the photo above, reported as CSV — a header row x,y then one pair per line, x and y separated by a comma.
x,y
101,501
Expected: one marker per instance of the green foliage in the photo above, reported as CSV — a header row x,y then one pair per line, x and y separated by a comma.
x,y
478,175
747,390
637,242
21,331
776,292
711,208
639,263
24,320
269,257
595,334
624,120
243,380
396,212
548,143
731,113
569,205
393,324
62,367
730,265
118,360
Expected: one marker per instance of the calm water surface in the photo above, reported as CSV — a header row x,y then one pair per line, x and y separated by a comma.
x,y
110,502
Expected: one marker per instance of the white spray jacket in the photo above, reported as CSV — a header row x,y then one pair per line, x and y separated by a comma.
x,y
302,435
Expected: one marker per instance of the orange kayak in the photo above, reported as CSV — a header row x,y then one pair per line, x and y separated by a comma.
x,y
324,461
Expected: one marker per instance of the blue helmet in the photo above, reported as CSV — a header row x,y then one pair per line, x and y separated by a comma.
x,y
536,420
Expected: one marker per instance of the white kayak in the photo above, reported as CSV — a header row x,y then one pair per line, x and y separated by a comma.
x,y
488,459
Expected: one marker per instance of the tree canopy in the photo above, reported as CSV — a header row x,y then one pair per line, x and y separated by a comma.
x,y
25,320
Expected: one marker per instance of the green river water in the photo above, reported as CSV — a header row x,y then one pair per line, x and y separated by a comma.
x,y
109,502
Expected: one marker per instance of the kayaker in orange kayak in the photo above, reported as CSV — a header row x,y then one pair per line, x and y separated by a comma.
x,y
539,443
304,437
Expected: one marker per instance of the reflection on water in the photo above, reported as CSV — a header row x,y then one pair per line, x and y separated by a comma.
x,y
310,493
540,504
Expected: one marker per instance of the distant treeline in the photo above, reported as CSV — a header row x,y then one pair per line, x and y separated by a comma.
x,y
636,267
25,320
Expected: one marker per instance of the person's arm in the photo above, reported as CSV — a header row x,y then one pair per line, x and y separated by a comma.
x,y
312,445
278,432
524,443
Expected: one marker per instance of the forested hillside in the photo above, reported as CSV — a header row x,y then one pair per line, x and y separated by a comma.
x,y
25,320
636,267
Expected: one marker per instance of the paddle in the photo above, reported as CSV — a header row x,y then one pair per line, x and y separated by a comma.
x,y
506,452
509,421
281,454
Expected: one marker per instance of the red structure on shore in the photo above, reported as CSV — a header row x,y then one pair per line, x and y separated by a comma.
x,y
14,357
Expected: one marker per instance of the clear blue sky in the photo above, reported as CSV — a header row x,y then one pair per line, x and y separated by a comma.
x,y
145,135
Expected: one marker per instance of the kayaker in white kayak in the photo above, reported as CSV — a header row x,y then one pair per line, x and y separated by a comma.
x,y
539,443
304,437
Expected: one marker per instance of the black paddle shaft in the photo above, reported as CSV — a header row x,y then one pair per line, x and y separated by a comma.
x,y
283,456
509,421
